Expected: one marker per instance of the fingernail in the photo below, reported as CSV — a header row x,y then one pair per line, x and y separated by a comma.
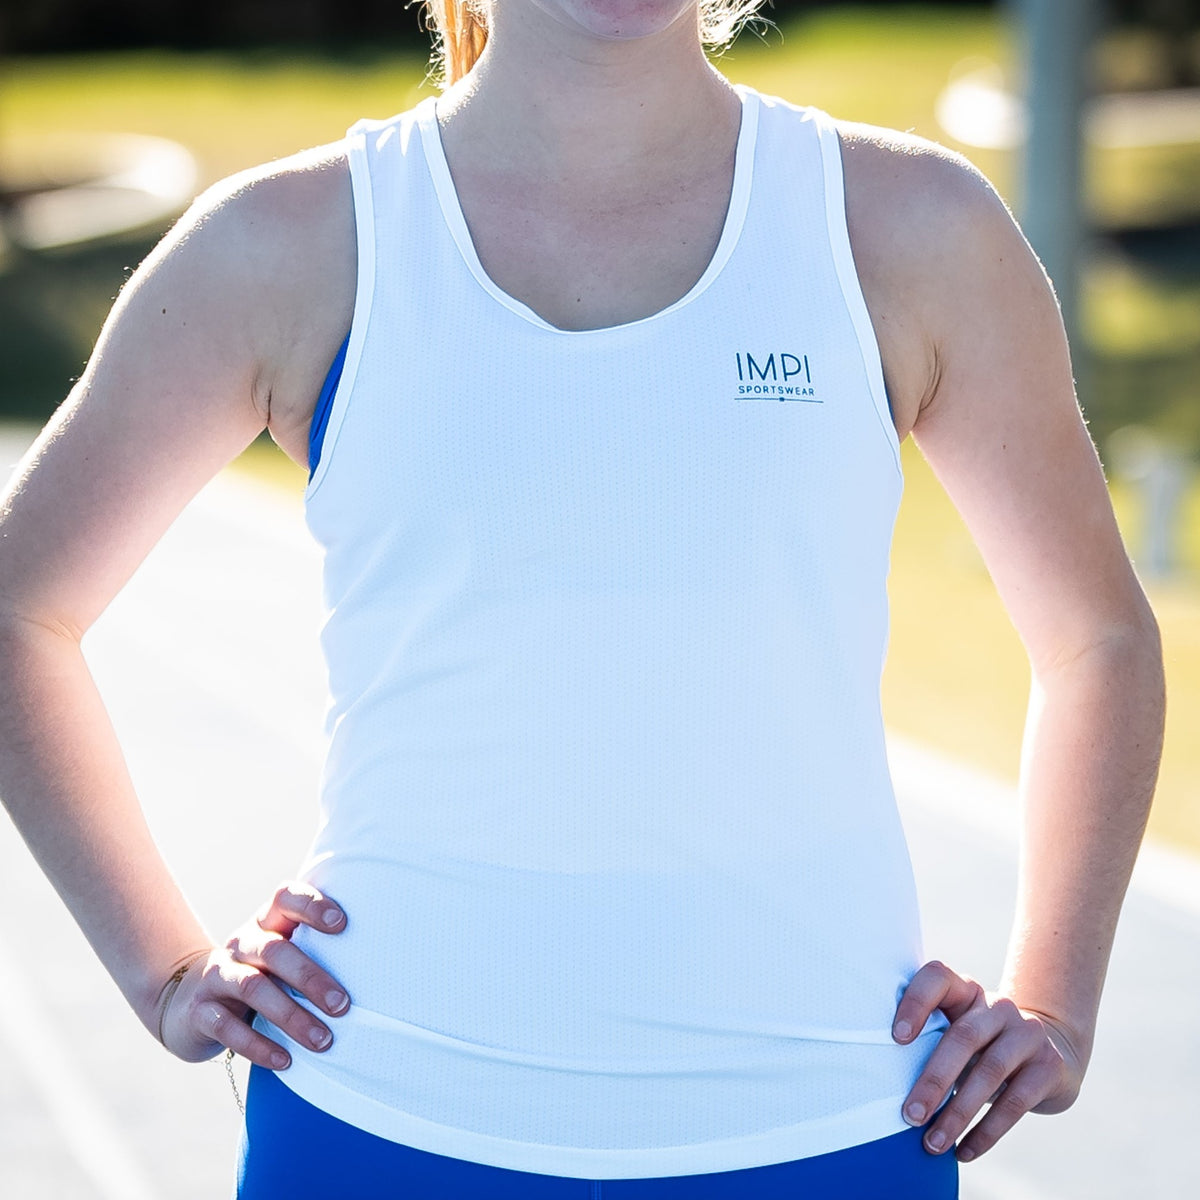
x,y
279,1060
332,916
320,1038
937,1140
902,1030
336,1001
966,1154
915,1113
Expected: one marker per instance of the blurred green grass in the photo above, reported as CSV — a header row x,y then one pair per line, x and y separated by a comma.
x,y
231,110
956,676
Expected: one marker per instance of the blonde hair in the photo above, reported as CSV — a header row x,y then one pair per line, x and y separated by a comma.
x,y
459,30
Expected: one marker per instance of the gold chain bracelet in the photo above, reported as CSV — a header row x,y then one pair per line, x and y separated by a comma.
x,y
237,1096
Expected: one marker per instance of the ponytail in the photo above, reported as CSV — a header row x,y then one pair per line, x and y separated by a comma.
x,y
459,29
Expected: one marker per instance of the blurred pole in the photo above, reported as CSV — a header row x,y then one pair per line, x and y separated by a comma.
x,y
1056,37
1162,474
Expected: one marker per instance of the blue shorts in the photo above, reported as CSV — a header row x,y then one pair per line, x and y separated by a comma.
x,y
292,1149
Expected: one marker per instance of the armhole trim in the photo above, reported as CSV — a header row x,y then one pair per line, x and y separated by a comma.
x,y
364,292
847,272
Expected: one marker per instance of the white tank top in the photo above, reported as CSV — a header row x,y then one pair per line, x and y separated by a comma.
x,y
606,798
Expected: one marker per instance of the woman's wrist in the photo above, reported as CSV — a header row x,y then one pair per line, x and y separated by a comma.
x,y
1079,1032
171,985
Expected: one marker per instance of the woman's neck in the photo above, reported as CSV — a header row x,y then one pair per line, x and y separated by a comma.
x,y
555,100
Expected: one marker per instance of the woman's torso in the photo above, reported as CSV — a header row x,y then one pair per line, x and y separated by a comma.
x,y
606,787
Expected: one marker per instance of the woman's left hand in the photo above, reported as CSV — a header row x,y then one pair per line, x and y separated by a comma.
x,y
994,1052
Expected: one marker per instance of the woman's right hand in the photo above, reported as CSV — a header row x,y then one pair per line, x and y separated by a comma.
x,y
211,1007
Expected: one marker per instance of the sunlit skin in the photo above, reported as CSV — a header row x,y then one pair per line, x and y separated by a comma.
x,y
586,139
618,20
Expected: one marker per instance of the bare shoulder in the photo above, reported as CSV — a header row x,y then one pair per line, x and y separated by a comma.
x,y
278,242
923,222
267,228
924,168
920,197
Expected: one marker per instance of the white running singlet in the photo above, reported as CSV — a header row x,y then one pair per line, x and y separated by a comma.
x,y
606,798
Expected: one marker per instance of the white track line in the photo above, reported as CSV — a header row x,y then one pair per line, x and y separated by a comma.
x,y
93,1140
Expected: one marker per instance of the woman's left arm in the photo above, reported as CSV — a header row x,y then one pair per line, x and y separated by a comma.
x,y
1002,430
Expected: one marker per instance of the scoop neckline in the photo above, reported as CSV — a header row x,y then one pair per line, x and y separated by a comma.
x,y
425,116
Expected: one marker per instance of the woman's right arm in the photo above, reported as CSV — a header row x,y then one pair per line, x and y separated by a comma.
x,y
198,354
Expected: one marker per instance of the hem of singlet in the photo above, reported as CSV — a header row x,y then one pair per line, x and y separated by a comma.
x,y
847,272
867,1123
425,115
364,293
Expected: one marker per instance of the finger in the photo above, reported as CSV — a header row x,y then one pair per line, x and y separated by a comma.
x,y
222,1026
966,1036
1027,1088
278,957
934,986
295,904
1007,1055
253,989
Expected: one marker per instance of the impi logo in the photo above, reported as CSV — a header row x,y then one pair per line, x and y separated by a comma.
x,y
777,377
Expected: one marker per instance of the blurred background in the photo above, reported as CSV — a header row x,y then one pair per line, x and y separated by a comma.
x,y
1084,113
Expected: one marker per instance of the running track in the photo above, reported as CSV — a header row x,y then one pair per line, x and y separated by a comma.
x,y
209,664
